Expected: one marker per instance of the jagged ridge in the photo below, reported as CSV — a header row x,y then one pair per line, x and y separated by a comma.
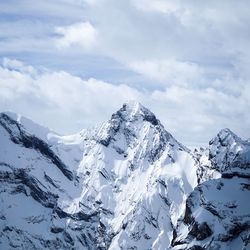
x,y
126,185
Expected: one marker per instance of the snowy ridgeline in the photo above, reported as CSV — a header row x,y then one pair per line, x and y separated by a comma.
x,y
125,185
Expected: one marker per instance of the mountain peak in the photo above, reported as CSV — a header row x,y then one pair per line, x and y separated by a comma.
x,y
133,106
225,137
134,125
226,132
129,118
224,148
133,111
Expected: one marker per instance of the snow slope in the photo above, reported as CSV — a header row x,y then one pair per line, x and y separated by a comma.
x,y
123,185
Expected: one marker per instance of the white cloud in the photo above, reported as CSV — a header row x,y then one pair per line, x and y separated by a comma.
x,y
169,71
210,34
81,34
50,97
68,103
17,65
163,6
14,84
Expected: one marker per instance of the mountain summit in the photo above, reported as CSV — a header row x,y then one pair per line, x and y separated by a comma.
x,y
133,111
225,148
134,127
126,185
130,117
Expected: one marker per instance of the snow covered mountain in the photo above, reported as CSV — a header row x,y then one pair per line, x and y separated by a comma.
x,y
125,185
217,213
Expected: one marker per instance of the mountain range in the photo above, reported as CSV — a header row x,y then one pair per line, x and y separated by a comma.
x,y
127,184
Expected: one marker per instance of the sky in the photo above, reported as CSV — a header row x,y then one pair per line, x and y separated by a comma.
x,y
70,64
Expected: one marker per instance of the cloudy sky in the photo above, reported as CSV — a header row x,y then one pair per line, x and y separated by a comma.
x,y
69,64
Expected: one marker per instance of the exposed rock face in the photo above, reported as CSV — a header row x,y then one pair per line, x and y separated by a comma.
x,y
218,204
218,216
18,135
225,154
225,148
134,125
34,182
126,185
